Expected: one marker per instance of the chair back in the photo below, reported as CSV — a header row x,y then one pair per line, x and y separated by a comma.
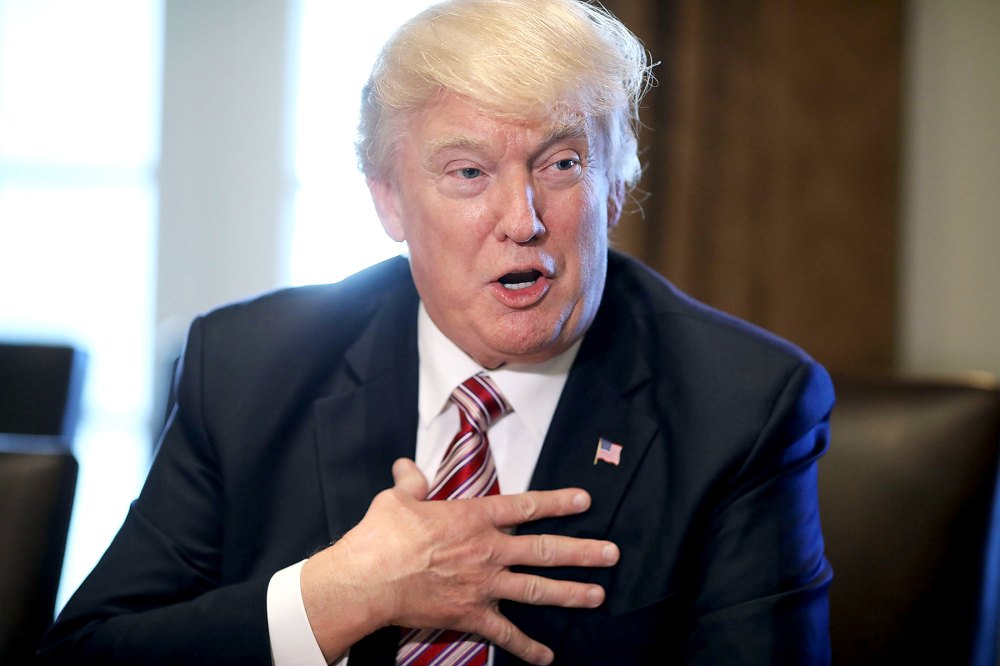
x,y
908,499
36,500
40,389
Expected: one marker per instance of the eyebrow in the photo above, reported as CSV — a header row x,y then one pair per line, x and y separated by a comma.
x,y
456,142
565,130
562,132
559,132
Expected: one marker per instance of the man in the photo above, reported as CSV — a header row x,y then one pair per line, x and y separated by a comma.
x,y
669,450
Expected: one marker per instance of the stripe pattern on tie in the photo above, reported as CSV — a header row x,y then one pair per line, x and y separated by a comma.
x,y
467,470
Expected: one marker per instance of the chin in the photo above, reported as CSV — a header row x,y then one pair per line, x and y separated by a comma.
x,y
528,346
528,336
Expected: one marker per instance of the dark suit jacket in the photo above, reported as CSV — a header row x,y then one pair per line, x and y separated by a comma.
x,y
292,407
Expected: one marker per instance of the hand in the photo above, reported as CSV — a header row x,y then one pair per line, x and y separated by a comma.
x,y
445,565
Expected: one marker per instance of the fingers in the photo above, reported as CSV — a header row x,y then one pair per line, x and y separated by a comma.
x,y
502,632
511,510
539,591
409,478
548,550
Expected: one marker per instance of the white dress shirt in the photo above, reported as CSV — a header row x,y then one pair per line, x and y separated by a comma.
x,y
515,440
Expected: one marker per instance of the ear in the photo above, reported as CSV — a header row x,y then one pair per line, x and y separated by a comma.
x,y
616,201
386,201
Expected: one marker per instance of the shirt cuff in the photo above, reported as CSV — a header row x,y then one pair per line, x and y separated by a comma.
x,y
292,639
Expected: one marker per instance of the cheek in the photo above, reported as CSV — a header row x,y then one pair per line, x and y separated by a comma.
x,y
590,241
592,222
444,244
442,223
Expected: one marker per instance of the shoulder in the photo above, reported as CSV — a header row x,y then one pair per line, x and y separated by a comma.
x,y
259,360
697,353
654,301
367,287
297,316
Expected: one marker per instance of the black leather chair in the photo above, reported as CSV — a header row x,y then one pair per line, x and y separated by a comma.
x,y
909,502
37,483
40,389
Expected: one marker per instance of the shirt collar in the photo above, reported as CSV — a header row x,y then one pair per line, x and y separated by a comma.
x,y
533,389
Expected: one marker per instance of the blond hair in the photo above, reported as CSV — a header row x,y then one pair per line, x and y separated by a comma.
x,y
527,59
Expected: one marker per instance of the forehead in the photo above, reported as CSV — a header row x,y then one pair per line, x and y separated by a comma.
x,y
452,123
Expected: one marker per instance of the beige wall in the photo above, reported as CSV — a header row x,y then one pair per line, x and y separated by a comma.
x,y
950,301
226,175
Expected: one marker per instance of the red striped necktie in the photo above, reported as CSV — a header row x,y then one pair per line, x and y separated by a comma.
x,y
467,470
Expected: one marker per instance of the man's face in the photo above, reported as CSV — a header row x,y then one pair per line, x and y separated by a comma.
x,y
507,225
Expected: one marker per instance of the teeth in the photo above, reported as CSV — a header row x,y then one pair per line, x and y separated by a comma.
x,y
520,279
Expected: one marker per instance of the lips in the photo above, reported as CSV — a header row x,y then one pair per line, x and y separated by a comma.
x,y
520,279
522,288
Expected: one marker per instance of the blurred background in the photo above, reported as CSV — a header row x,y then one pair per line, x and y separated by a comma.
x,y
827,169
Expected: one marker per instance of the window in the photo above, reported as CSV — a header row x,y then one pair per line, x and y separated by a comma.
x,y
336,231
78,125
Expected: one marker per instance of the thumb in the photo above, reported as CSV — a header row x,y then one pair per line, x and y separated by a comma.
x,y
409,478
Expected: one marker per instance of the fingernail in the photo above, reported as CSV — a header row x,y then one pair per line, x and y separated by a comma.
x,y
595,595
610,553
581,501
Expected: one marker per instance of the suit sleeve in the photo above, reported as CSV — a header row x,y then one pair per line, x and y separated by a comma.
x,y
159,595
762,593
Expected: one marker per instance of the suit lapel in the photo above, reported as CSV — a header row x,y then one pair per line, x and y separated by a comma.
x,y
590,409
602,399
368,421
370,418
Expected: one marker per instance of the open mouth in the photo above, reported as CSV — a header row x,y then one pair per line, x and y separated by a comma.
x,y
519,279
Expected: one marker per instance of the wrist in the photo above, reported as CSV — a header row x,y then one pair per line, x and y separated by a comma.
x,y
338,600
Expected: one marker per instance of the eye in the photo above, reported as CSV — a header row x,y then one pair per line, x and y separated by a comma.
x,y
469,173
566,164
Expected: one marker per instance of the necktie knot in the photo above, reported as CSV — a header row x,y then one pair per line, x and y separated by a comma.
x,y
480,402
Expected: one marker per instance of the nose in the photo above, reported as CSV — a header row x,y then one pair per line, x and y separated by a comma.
x,y
519,217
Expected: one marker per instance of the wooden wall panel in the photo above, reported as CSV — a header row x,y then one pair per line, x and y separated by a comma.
x,y
772,152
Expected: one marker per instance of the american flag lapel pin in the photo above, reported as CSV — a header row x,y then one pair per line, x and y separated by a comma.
x,y
608,452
